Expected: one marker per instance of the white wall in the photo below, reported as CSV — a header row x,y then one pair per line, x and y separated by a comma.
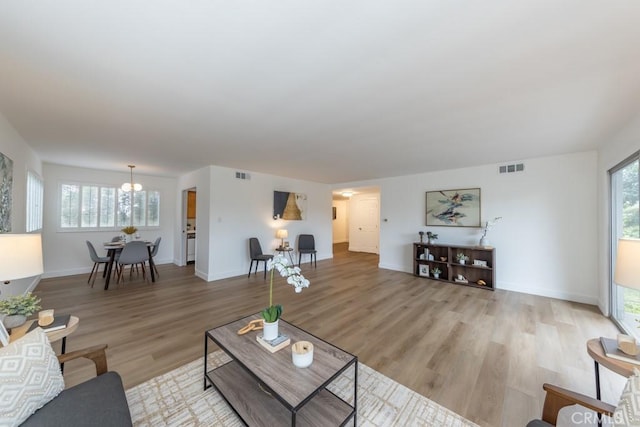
x,y
618,149
13,146
66,251
340,225
546,243
240,209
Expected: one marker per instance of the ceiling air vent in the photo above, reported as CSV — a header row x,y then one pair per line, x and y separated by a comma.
x,y
518,167
243,175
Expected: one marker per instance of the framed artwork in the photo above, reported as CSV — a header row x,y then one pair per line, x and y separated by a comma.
x,y
423,270
291,206
6,184
454,208
334,212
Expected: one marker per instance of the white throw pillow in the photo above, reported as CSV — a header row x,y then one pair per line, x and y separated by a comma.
x,y
29,377
627,413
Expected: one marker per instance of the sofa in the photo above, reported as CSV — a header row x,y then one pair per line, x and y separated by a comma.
x,y
36,397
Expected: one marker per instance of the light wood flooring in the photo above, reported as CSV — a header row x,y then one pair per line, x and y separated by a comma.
x,y
481,354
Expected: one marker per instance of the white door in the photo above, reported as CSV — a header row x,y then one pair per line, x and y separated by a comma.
x,y
364,223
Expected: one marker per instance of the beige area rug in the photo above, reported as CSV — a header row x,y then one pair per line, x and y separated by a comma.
x,y
177,398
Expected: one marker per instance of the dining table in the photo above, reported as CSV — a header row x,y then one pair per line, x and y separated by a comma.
x,y
113,248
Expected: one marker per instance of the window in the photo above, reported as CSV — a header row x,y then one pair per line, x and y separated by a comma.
x,y
88,206
34,202
625,222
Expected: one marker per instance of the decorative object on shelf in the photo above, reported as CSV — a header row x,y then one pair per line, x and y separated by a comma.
x,y
488,225
461,279
443,258
436,272
430,257
423,270
453,208
462,258
272,313
17,308
479,263
302,354
421,234
481,282
431,238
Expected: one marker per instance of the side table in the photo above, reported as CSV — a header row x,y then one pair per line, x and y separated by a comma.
x,y
595,350
288,251
60,334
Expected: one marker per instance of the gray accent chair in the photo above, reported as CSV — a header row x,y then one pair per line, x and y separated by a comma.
x,y
255,252
558,397
98,401
97,260
133,253
307,245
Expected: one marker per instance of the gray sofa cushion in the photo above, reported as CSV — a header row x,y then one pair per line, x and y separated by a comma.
x,y
100,401
538,423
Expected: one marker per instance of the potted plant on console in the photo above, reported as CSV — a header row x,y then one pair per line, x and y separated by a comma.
x,y
436,272
129,231
431,238
17,308
461,258
272,314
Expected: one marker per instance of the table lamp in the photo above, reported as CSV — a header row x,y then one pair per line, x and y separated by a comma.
x,y
21,256
282,234
627,274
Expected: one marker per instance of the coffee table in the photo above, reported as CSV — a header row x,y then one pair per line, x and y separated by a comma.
x,y
266,389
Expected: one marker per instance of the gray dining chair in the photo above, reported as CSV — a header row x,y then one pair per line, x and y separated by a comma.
x,y
154,252
132,254
307,245
255,251
97,260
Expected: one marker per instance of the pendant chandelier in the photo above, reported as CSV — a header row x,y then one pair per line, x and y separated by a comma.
x,y
131,186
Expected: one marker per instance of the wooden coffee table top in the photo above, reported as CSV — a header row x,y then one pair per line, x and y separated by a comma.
x,y
595,350
276,370
53,336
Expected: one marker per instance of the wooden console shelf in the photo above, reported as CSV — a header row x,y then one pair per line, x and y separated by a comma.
x,y
443,257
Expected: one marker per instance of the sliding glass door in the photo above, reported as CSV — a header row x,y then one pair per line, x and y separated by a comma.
x,y
625,222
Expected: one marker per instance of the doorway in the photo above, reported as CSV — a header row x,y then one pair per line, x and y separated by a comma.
x,y
356,219
189,225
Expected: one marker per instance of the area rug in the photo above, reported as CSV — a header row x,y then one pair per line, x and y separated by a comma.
x,y
177,398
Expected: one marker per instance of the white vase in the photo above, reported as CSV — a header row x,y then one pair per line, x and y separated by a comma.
x,y
270,331
462,261
436,275
484,242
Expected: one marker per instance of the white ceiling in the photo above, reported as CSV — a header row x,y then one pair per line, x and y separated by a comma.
x,y
325,90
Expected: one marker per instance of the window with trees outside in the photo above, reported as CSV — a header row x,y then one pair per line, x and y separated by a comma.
x,y
87,206
625,222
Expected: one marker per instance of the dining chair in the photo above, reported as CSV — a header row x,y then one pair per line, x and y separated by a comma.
x,y
307,245
154,252
255,251
97,260
132,254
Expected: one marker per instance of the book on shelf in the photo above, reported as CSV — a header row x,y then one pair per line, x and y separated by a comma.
x,y
59,322
278,343
611,350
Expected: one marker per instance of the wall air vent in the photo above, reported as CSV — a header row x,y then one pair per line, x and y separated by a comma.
x,y
518,167
243,175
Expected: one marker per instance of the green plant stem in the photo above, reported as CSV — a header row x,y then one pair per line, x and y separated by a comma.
x,y
271,289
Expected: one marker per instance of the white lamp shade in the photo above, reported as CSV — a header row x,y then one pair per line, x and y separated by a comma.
x,y
627,272
282,234
21,256
127,187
